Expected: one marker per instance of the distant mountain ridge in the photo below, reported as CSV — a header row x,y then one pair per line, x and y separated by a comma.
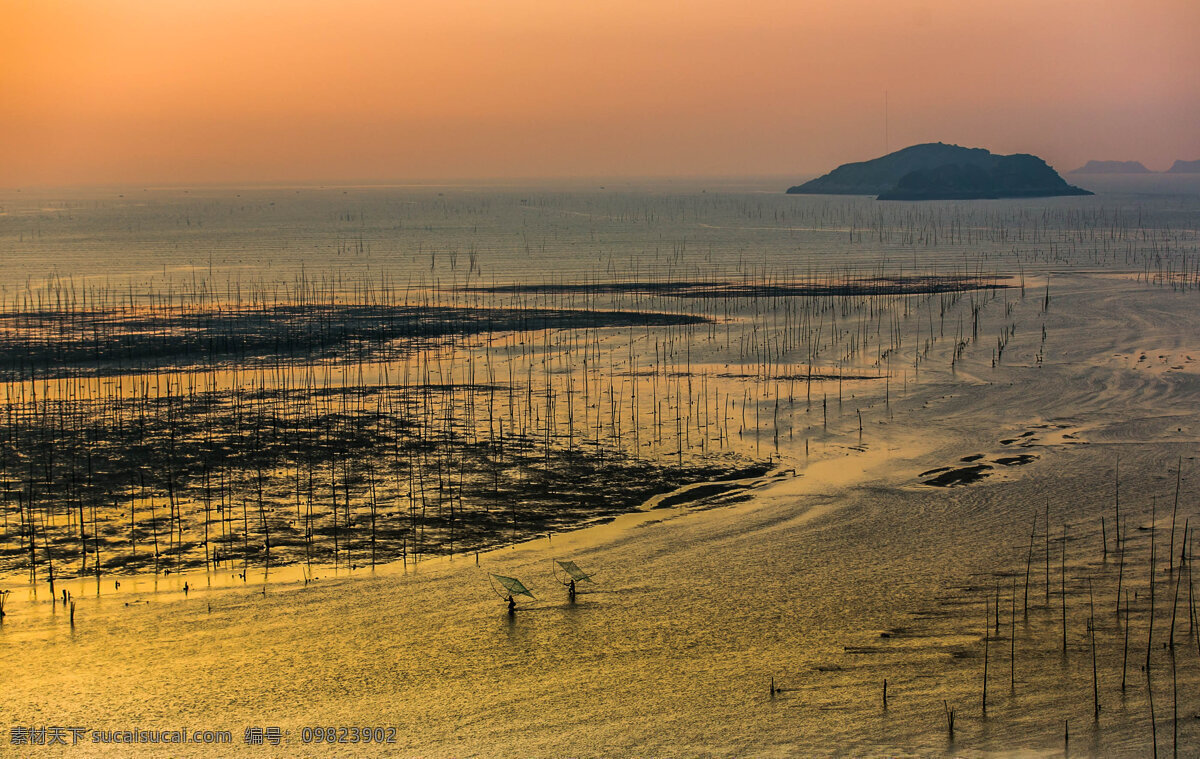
x,y
1185,167
1111,167
937,171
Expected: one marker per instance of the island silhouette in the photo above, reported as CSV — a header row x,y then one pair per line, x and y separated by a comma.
x,y
937,171
1111,167
1184,167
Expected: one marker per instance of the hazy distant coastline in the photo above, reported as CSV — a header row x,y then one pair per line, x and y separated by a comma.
x,y
1135,167
1111,167
1185,167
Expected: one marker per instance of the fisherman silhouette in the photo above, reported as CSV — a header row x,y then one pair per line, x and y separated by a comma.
x,y
571,591
512,605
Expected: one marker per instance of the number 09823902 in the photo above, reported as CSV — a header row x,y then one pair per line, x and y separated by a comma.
x,y
347,734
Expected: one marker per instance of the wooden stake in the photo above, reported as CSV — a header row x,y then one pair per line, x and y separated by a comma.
x,y
1095,681
987,629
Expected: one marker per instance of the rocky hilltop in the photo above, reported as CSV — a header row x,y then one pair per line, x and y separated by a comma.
x,y
937,171
1111,167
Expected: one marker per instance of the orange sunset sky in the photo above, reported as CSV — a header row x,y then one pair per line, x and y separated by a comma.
x,y
175,91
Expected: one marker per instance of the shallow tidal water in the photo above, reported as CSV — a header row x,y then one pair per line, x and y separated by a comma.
x,y
842,571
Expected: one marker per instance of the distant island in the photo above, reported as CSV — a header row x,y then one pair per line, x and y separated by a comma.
x,y
1134,167
937,171
1111,167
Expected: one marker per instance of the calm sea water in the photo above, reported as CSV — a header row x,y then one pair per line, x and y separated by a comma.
x,y
460,234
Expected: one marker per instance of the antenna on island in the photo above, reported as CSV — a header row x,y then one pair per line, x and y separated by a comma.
x,y
886,146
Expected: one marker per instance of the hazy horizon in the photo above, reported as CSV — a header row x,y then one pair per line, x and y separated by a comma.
x,y
123,93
